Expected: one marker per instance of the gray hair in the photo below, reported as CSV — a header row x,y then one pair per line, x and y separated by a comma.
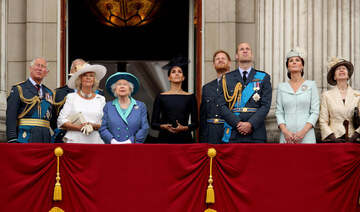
x,y
33,62
77,60
94,87
113,87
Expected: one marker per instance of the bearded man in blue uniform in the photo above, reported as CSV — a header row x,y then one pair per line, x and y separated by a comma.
x,y
29,107
245,100
211,122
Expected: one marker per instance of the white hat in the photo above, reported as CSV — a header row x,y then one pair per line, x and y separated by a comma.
x,y
99,70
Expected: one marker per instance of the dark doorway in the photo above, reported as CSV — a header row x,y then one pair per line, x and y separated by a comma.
x,y
166,37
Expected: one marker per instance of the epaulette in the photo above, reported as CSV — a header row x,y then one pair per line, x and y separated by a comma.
x,y
19,83
261,71
60,87
47,89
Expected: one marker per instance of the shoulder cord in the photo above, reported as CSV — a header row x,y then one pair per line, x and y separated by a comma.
x,y
30,103
236,95
58,104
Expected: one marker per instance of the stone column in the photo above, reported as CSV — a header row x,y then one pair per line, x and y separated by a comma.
x,y
220,33
3,70
324,28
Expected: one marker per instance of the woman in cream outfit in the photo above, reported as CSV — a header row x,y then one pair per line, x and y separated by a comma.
x,y
86,101
297,103
338,103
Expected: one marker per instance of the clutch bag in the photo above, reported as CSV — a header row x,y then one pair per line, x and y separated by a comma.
x,y
77,118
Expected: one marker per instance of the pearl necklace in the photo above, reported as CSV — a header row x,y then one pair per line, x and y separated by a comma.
x,y
85,95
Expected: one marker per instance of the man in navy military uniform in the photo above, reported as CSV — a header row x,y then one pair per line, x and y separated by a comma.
x,y
211,122
60,98
29,107
245,100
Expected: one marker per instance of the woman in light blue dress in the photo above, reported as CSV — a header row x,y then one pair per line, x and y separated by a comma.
x,y
297,103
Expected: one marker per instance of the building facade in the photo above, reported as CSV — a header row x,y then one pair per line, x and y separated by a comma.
x,y
324,28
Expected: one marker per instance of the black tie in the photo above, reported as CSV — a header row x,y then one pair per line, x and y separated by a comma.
x,y
244,75
38,87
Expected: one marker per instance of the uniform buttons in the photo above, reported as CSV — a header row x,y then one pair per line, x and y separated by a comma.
x,y
118,128
217,105
127,136
216,115
118,136
127,128
207,101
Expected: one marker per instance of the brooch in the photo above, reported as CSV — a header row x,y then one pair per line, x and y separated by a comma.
x,y
304,87
136,107
256,97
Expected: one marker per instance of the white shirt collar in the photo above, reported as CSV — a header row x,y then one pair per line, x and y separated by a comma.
x,y
248,71
33,82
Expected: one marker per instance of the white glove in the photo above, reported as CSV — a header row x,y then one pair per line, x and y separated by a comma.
x,y
87,129
113,141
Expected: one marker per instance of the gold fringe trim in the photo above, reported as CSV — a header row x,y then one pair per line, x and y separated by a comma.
x,y
210,210
236,95
57,190
58,105
30,103
210,194
56,209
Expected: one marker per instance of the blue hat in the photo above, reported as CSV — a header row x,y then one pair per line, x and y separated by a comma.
x,y
125,76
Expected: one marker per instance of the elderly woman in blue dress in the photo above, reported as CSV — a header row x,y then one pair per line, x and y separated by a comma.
x,y
125,119
297,103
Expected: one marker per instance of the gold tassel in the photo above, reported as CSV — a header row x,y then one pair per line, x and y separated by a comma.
x,y
210,210
57,190
210,193
56,209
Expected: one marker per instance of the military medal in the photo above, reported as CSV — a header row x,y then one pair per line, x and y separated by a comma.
x,y
48,98
304,87
256,96
47,115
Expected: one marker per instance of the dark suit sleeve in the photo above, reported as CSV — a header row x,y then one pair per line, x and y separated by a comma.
x,y
54,115
12,111
265,102
155,119
194,114
203,113
225,112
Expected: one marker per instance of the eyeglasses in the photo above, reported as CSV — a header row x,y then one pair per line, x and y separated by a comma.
x,y
40,66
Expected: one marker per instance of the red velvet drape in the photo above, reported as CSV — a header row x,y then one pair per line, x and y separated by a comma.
x,y
133,178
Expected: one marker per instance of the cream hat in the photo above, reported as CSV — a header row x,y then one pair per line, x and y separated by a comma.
x,y
99,70
335,62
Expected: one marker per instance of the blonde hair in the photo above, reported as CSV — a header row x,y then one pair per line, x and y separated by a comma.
x,y
94,87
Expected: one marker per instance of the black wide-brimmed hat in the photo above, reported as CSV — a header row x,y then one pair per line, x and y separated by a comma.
x,y
335,62
178,61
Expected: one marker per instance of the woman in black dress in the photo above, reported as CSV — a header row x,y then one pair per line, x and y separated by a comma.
x,y
173,108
